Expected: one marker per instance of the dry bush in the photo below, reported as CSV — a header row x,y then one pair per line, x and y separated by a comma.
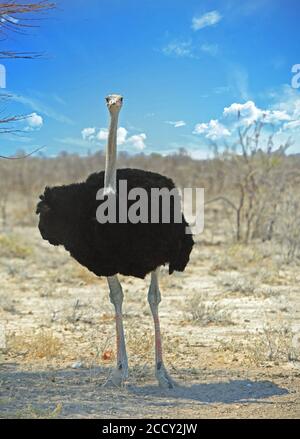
x,y
249,285
267,274
13,246
35,345
237,257
258,261
76,314
254,176
271,344
31,412
203,312
287,227
239,284
223,263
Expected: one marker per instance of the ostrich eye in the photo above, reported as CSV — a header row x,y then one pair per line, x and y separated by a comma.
x,y
107,100
121,99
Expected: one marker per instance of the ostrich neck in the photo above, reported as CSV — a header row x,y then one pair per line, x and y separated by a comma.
x,y
111,154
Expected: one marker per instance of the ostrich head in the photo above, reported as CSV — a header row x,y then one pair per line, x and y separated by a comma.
x,y
114,103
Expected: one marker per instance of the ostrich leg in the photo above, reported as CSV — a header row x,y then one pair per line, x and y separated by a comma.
x,y
154,299
116,297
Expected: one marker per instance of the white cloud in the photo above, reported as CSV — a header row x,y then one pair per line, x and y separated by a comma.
x,y
180,49
88,133
276,116
209,19
102,134
121,135
186,49
34,121
287,99
295,124
282,118
212,130
249,113
136,141
176,123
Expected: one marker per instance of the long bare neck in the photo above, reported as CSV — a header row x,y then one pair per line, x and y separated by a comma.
x,y
111,155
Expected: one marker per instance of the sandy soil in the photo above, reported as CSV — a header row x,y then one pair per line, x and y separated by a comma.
x,y
230,324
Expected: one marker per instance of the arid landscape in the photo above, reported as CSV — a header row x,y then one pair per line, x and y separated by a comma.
x,y
230,322
207,94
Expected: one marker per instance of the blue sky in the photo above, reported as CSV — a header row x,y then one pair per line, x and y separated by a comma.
x,y
184,68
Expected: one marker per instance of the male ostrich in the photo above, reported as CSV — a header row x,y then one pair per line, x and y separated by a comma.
x,y
68,218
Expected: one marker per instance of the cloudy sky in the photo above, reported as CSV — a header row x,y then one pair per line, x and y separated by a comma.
x,y
184,67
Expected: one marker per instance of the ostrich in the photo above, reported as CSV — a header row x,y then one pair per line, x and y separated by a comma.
x,y
67,216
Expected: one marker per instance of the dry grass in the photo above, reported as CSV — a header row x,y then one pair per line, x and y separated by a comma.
x,y
47,295
44,288
203,312
277,345
13,246
245,286
268,273
84,275
31,412
238,284
238,257
6,304
35,345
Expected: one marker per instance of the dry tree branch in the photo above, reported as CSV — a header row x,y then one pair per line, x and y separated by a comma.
x,y
11,10
11,120
17,17
9,54
22,156
221,198
12,16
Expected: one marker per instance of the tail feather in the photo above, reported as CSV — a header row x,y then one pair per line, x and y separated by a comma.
x,y
181,257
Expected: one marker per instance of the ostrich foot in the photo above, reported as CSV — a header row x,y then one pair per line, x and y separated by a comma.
x,y
163,378
117,378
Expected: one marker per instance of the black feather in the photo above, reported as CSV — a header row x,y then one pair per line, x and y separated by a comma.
x,y
108,249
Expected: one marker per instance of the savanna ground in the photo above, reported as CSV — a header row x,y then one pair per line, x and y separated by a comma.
x,y
230,325
230,322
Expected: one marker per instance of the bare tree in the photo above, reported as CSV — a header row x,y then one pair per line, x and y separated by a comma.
x,y
18,17
255,178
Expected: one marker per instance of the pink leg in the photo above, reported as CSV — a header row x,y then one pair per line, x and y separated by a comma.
x,y
116,297
154,299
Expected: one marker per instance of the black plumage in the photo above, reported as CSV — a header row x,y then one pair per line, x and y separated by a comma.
x,y
68,218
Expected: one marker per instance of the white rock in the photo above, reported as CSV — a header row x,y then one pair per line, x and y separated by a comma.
x,y
77,365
